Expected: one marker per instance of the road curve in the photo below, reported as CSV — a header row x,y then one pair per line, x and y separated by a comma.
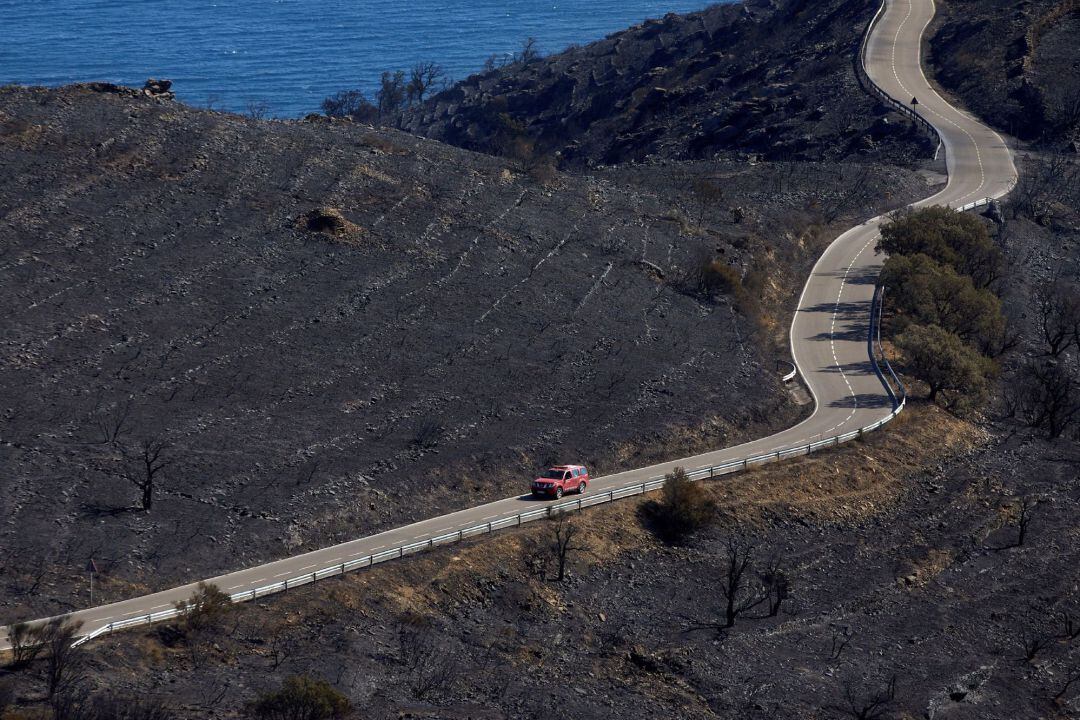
x,y
828,333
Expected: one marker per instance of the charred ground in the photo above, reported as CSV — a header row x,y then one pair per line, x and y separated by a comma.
x,y
1016,64
292,303
774,78
334,329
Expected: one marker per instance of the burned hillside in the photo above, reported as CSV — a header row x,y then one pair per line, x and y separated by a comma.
x,y
301,332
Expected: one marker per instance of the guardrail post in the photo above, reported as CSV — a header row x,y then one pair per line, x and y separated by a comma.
x,y
611,496
431,543
712,471
642,488
370,560
489,528
313,578
401,552
342,568
253,596
809,448
778,454
286,583
744,463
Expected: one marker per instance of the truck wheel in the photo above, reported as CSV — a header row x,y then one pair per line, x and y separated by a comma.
x,y
581,489
558,493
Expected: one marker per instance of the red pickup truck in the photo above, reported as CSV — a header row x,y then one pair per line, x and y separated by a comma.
x,y
561,479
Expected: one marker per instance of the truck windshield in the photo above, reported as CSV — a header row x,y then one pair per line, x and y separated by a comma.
x,y
552,474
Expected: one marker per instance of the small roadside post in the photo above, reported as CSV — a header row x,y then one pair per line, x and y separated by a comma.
x,y
91,567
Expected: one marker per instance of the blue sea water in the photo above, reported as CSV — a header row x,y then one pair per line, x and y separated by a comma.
x,y
287,54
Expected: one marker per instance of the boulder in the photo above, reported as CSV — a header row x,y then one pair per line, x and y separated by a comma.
x,y
158,89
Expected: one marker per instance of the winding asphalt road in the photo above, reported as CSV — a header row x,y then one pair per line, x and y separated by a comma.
x,y
828,334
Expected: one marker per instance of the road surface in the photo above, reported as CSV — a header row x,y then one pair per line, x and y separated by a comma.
x,y
828,333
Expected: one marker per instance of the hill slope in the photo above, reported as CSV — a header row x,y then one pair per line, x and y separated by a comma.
x,y
1032,51
766,77
440,328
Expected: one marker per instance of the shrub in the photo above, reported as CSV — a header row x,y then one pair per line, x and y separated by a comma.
x,y
301,698
684,507
718,278
947,365
206,607
203,615
542,169
511,138
26,645
351,104
955,239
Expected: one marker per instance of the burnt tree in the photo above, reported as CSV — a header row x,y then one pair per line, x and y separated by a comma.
x,y
142,468
564,533
740,595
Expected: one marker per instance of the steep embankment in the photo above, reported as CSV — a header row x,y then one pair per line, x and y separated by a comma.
x,y
774,78
1030,50
438,329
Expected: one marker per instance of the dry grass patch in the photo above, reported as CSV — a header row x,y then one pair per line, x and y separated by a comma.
x,y
924,569
384,145
17,132
856,480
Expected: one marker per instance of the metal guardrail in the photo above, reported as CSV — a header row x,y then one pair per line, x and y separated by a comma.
x,y
872,87
580,503
977,204
733,466
875,348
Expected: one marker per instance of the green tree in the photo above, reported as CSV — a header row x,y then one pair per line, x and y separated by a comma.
x,y
946,364
684,506
958,240
926,292
301,698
